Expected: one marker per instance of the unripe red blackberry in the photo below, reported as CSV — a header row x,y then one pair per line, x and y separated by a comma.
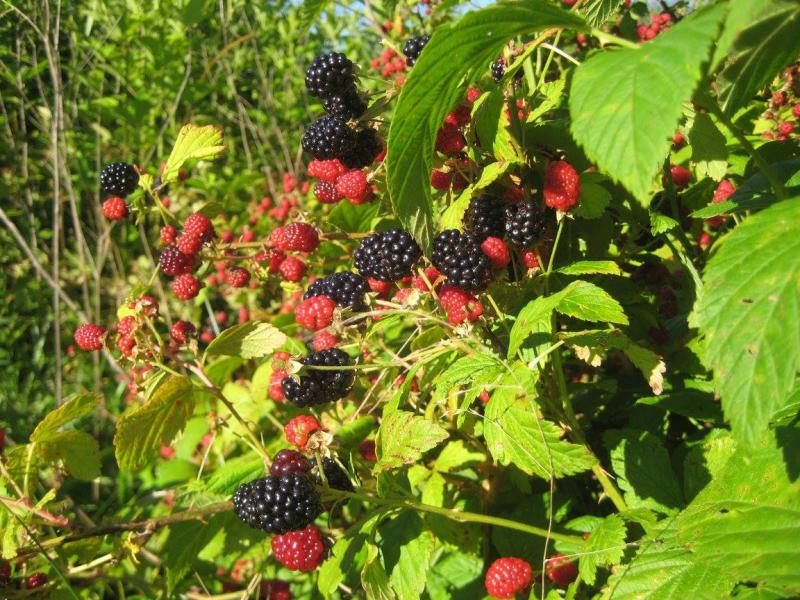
x,y
329,74
299,428
461,260
277,504
167,234
289,461
326,170
562,186
353,185
525,224
173,262
387,255
292,269
323,340
119,179
318,386
115,208
90,337
298,237
275,589
299,550
185,286
329,137
326,192
315,313
181,331
561,570
199,225
507,577
345,288
497,251
237,277
35,581
189,243
413,48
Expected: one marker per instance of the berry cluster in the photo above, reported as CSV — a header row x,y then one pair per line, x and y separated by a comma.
x,y
413,48
390,63
337,182
117,179
179,258
658,24
782,117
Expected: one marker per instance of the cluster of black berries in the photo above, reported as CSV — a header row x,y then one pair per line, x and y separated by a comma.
x,y
413,48
387,255
287,499
332,78
119,179
346,289
320,385
466,259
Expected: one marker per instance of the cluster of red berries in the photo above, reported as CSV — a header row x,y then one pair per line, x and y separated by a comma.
x,y
658,24
336,182
454,169
509,576
179,257
390,63
784,106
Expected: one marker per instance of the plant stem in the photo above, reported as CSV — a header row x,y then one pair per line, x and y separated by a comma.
x,y
458,515
608,38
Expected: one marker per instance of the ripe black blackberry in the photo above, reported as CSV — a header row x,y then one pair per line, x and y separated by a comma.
x,y
347,105
329,74
329,137
119,179
318,386
484,217
336,477
498,69
367,147
173,262
525,224
277,504
459,258
413,48
289,461
345,288
387,255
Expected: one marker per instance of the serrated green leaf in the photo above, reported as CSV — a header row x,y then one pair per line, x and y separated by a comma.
x,y
517,434
643,470
586,301
407,554
534,317
598,12
457,455
749,312
404,438
74,407
374,578
78,451
353,433
236,471
593,201
184,543
660,223
591,267
758,40
491,127
354,218
709,149
253,339
463,371
626,104
437,83
194,142
604,547
141,432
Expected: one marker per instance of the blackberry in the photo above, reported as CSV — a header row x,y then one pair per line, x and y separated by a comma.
x,y
173,262
413,48
329,74
498,69
289,461
368,146
525,224
388,255
484,218
277,504
319,386
329,137
461,260
345,288
336,477
119,179
347,105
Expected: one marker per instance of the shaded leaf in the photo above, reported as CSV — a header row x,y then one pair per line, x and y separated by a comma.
x,y
253,339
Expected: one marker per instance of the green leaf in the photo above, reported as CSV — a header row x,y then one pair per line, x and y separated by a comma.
x,y
491,127
580,299
709,148
593,201
463,372
354,218
517,434
311,10
742,527
758,40
78,451
74,407
626,104
605,546
374,577
749,312
404,438
457,455
253,339
591,267
597,12
643,470
141,432
756,193
660,223
437,83
194,142
353,433
407,554
185,542
236,471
